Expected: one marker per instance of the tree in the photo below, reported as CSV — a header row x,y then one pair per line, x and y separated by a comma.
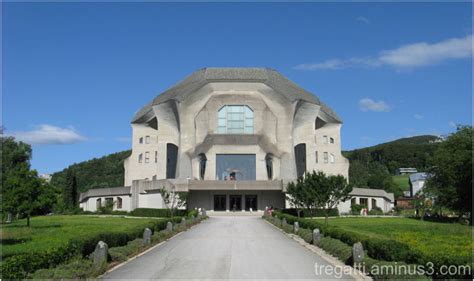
x,y
70,194
450,178
23,192
173,200
316,190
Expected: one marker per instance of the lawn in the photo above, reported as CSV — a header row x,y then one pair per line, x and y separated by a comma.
x,y
402,182
428,237
53,231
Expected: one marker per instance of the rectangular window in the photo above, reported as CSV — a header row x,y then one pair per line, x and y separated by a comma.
x,y
317,157
325,139
98,203
147,139
109,201
332,159
119,203
140,140
235,119
331,140
156,156
326,158
364,201
147,157
140,158
353,201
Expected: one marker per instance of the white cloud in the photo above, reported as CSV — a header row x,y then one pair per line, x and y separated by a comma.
x,y
418,116
367,104
363,19
407,56
49,134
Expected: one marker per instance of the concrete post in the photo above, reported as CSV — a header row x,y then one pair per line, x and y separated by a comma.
x,y
147,236
100,254
296,227
357,254
316,236
283,221
169,226
183,221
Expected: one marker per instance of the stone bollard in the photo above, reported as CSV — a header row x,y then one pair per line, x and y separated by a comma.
x,y
100,254
296,227
147,236
283,221
316,236
169,226
204,212
357,254
183,221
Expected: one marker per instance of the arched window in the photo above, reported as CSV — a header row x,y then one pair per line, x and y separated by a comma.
x,y
202,165
235,119
269,164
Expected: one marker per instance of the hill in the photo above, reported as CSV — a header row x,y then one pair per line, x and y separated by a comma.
x,y
107,171
412,152
373,167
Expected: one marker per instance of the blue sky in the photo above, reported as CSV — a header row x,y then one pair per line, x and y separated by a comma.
x,y
75,73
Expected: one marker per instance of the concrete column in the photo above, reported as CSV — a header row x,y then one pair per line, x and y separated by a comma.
x,y
243,203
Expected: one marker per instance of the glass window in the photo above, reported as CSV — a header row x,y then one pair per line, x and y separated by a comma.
x,y
331,140
147,139
317,157
364,201
98,203
147,157
140,158
119,203
156,156
235,119
325,157
140,140
332,159
325,139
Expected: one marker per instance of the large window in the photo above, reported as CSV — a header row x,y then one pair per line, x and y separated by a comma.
x,y
235,119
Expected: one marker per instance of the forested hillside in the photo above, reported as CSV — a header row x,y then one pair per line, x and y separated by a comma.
x,y
374,166
106,171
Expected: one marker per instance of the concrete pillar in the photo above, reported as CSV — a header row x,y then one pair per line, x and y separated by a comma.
x,y
147,236
316,236
169,226
357,254
296,227
100,254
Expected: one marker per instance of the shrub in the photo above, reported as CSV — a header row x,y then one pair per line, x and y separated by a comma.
x,y
122,253
385,270
336,248
355,209
162,213
376,211
313,213
306,234
76,268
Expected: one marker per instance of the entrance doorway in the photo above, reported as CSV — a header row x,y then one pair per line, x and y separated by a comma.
x,y
251,202
235,202
219,203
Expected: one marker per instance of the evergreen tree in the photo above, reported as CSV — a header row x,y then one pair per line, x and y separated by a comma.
x,y
70,195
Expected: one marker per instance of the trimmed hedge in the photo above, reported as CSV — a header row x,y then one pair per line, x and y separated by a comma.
x,y
336,248
380,248
19,266
161,213
304,213
77,268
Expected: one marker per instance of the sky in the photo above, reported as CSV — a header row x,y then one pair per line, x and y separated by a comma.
x,y
74,74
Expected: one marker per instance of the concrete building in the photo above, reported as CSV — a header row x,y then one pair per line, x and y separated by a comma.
x,y
369,197
231,137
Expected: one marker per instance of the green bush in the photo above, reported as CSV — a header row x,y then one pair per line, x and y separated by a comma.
x,y
336,248
313,213
122,253
306,234
355,209
386,270
76,268
376,211
161,213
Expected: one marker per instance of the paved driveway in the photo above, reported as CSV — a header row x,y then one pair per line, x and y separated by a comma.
x,y
225,247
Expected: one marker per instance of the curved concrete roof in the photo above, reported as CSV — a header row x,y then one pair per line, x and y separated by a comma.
x,y
267,76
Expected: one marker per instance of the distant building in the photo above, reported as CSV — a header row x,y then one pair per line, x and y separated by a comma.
x,y
231,137
405,171
369,197
46,177
417,182
405,202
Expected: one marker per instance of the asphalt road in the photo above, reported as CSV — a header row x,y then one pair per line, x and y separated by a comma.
x,y
226,247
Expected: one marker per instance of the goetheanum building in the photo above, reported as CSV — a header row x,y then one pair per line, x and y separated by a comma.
x,y
231,137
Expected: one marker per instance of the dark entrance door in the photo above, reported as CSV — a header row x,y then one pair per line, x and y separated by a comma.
x,y
219,203
235,202
171,160
300,159
251,202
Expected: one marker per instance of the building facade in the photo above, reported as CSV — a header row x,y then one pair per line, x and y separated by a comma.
x,y
233,138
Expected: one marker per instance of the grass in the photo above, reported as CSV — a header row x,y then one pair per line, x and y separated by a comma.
x,y
428,237
402,182
53,231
